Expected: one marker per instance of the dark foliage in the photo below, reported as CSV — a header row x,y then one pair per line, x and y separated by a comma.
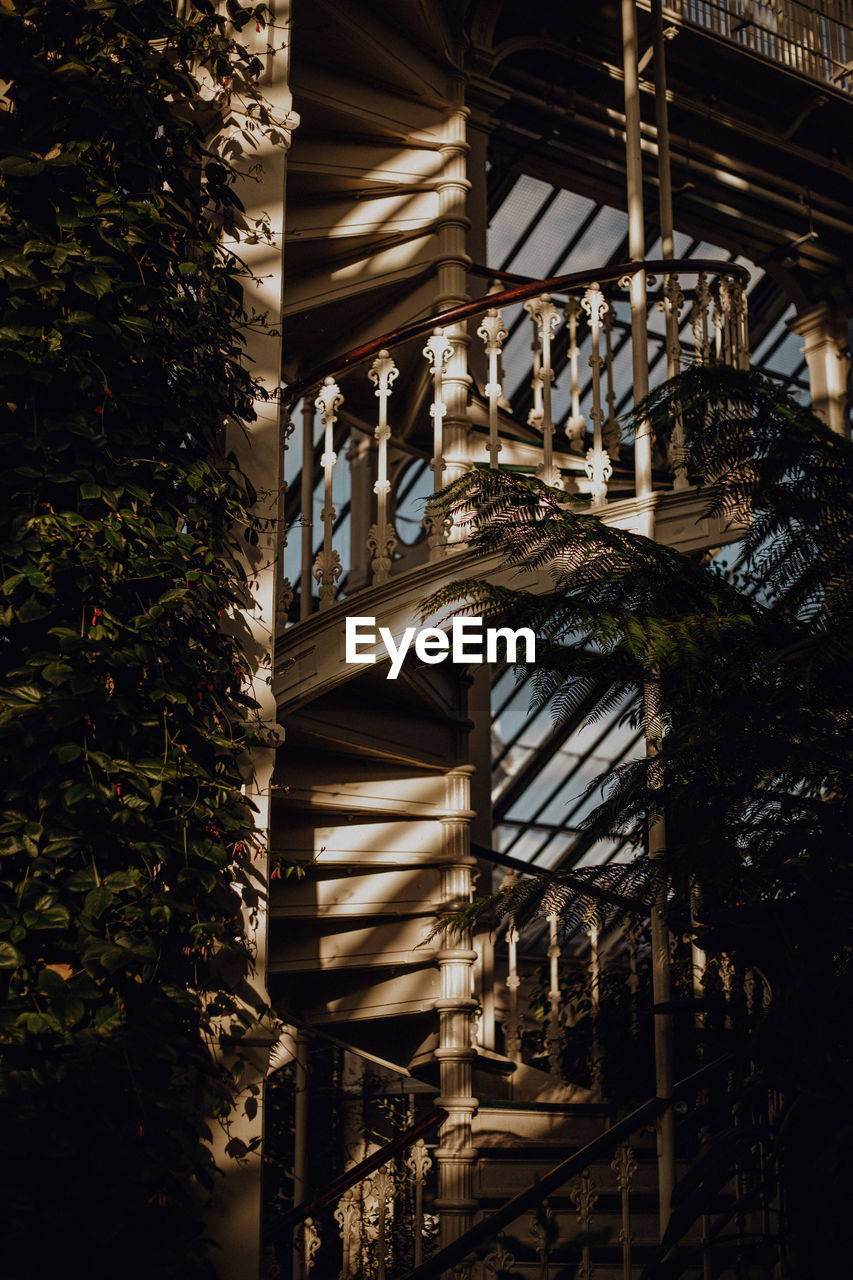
x,y
753,674
126,843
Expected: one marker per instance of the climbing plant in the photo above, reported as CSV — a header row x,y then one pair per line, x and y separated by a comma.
x,y
126,844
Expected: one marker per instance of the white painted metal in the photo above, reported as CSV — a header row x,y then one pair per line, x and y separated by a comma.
x,y
327,566
382,540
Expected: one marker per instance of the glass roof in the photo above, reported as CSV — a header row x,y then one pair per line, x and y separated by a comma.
x,y
540,772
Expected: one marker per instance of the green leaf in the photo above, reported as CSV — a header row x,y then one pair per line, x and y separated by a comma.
x,y
10,957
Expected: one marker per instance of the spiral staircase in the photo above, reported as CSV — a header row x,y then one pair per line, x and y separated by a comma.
x,y
395,332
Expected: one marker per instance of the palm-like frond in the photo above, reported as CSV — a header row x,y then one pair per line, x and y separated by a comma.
x,y
755,674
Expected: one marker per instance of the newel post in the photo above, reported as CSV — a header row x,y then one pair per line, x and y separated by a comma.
x,y
455,1154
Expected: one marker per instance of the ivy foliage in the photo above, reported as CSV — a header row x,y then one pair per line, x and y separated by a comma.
x,y
126,846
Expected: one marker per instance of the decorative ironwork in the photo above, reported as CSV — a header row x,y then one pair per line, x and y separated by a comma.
x,y
327,567
584,1198
671,304
598,466
624,1166
498,1261
382,1188
576,425
437,352
419,1163
382,540
554,1037
493,332
544,315
284,595
512,1026
348,1217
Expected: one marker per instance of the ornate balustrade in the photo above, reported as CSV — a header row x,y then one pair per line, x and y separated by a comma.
x,y
373,1220
815,39
581,315
601,1183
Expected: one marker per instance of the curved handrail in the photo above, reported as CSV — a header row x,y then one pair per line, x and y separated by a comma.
x,y
605,1144
344,1181
518,293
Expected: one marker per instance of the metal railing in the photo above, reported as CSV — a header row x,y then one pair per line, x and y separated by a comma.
x,y
705,322
365,1198
815,39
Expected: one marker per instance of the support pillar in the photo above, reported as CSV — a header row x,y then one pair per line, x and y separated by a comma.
x,y
455,1154
661,966
235,1215
828,359
452,265
636,241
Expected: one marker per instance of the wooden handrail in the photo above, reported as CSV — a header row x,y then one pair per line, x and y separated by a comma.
x,y
518,293
601,1146
335,1189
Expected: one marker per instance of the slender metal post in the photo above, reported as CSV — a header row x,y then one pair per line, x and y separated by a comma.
x,y
306,580
300,1146
381,539
595,1009
636,241
493,332
554,1039
661,967
667,239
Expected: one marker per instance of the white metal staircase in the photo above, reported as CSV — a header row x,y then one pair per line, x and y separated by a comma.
x,y
381,786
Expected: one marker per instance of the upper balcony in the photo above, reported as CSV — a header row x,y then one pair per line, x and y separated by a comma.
x,y
814,39
386,426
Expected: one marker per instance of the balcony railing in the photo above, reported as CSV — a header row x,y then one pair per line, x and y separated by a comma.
x,y
450,430
815,39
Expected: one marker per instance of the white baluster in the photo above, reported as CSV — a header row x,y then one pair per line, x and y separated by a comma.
x,y
598,466
718,326
305,581
284,587
612,434
382,1184
536,414
726,971
327,567
512,1027
624,1166
554,1038
701,335
595,1005
544,316
419,1164
492,332
308,1239
348,1218
671,304
382,540
437,351
741,324
727,321
576,425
